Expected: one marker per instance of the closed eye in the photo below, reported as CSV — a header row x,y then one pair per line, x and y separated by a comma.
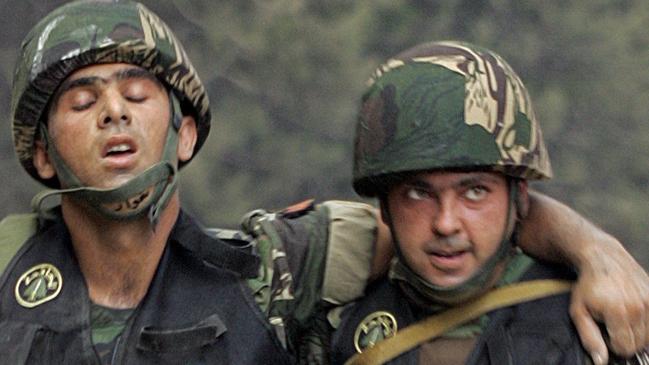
x,y
136,99
82,107
80,100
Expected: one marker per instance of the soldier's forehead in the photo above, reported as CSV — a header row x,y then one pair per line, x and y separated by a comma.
x,y
108,71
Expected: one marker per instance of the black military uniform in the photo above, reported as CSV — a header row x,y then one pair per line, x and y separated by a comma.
x,y
197,310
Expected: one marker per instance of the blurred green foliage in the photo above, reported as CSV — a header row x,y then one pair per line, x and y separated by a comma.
x,y
285,77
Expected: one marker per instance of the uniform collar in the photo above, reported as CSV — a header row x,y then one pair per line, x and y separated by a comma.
x,y
212,250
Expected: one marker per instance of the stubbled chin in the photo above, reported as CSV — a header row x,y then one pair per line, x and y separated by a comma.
x,y
447,280
112,180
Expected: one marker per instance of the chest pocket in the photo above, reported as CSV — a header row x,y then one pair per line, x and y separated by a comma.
x,y
190,338
535,345
551,345
17,340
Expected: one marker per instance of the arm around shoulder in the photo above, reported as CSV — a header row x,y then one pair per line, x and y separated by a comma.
x,y
612,286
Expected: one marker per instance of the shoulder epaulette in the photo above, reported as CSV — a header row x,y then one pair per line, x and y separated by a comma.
x,y
233,236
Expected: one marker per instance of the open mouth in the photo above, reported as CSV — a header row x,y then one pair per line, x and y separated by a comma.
x,y
448,260
118,147
448,254
120,152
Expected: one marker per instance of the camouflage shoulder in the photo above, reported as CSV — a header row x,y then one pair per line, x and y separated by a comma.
x,y
274,279
275,236
274,282
250,221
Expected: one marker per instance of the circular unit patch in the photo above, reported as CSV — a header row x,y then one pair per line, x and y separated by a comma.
x,y
38,285
373,329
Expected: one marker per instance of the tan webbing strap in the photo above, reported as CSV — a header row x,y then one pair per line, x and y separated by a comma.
x,y
434,326
14,231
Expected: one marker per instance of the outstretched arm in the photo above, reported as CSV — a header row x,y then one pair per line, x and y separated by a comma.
x,y
612,287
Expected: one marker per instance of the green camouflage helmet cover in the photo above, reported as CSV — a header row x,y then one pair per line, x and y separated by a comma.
x,y
91,32
446,105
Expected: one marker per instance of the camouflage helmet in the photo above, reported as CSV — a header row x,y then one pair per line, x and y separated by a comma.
x,y
90,32
446,105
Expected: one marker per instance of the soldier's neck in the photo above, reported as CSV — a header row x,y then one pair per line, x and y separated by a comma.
x,y
117,258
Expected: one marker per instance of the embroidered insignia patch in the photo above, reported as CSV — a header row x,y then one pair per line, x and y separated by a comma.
x,y
374,328
38,285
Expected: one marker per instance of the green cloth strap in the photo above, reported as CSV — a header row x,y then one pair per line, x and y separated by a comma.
x,y
14,231
435,325
161,176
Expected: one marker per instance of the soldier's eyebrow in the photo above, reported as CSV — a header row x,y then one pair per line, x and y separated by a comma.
x,y
469,179
136,73
477,179
80,82
418,184
123,74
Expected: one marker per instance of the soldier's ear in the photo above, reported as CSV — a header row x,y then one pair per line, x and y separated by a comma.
x,y
187,135
41,161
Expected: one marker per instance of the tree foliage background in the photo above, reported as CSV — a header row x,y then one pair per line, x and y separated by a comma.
x,y
285,78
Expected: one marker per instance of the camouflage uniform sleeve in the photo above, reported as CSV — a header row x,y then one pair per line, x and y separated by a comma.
x,y
312,257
